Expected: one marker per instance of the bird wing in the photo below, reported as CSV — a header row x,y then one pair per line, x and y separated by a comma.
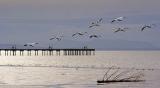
x,y
97,24
143,28
31,45
84,33
113,20
52,38
25,44
90,26
116,31
120,18
95,36
80,33
74,34
93,23
90,36
34,43
123,30
100,20
58,39
148,26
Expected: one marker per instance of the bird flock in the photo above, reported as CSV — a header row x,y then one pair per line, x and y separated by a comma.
x,y
94,24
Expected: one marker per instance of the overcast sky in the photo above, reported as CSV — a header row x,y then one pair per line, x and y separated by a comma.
x,y
23,21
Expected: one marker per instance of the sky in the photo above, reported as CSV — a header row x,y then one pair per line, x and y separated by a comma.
x,y
24,21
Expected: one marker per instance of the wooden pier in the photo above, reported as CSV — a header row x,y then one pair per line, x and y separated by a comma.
x,y
47,52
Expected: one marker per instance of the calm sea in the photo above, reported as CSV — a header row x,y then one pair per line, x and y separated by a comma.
x,y
77,71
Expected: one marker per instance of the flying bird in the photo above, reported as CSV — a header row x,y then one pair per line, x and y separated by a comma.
x,y
118,19
94,36
97,23
31,44
79,33
147,26
120,30
93,24
59,38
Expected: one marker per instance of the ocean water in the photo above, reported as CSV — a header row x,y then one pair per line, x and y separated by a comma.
x,y
78,71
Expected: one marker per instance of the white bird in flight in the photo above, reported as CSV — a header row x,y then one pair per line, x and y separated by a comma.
x,y
59,38
31,44
97,23
120,29
94,36
79,33
147,26
118,19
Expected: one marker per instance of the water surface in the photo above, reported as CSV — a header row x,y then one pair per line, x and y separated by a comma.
x,y
77,71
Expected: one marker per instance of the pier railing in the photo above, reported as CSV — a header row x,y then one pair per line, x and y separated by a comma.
x,y
47,52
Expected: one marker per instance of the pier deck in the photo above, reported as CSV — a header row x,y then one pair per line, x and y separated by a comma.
x,y
48,52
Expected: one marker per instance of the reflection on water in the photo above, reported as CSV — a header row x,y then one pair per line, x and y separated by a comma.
x,y
77,71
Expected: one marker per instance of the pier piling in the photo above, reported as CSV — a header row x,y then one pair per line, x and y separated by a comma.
x,y
48,52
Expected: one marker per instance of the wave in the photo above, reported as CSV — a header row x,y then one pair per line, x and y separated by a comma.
x,y
75,67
